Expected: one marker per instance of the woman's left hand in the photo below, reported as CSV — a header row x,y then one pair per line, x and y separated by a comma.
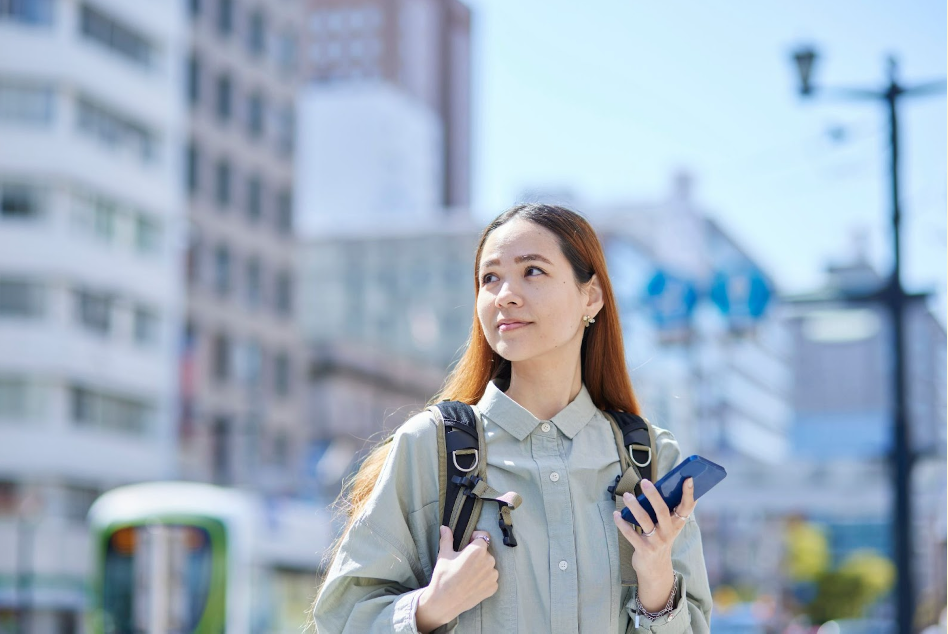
x,y
653,546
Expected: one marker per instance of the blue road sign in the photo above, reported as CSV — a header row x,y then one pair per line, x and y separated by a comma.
x,y
671,300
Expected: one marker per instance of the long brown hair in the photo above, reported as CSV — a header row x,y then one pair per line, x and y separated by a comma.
x,y
602,355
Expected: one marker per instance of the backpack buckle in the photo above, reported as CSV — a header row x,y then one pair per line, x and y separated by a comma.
x,y
507,530
612,488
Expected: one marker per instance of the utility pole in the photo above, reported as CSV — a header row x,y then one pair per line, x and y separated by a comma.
x,y
893,296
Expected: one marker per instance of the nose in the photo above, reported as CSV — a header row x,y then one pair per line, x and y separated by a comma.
x,y
507,295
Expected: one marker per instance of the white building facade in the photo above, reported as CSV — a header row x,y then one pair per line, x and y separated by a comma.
x,y
91,121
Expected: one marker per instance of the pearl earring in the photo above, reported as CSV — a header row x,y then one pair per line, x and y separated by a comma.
x,y
588,320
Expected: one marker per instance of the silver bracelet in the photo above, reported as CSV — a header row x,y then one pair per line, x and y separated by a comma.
x,y
669,606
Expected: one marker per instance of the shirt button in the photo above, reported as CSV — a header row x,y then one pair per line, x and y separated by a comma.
x,y
564,565
555,476
545,427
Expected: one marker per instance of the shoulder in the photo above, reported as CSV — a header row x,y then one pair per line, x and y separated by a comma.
x,y
410,471
667,450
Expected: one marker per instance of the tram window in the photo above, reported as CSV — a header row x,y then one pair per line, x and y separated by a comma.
x,y
170,566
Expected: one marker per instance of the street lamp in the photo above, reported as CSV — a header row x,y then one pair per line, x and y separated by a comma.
x,y
893,296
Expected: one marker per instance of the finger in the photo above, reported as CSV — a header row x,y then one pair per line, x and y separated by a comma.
x,y
479,539
662,514
640,514
628,531
688,503
447,541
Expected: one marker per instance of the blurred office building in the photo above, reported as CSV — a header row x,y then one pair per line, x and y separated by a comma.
x,y
241,417
91,214
384,111
384,313
842,433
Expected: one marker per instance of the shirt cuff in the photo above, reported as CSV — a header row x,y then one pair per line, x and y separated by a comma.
x,y
405,611
677,621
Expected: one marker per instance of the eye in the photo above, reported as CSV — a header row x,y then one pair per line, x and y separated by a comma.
x,y
487,278
534,270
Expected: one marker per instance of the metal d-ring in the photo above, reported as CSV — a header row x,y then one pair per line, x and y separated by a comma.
x,y
454,457
645,464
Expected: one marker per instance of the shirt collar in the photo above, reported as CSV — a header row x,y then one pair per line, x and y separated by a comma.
x,y
518,422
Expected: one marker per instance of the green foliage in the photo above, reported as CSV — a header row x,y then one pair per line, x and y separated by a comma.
x,y
846,592
807,551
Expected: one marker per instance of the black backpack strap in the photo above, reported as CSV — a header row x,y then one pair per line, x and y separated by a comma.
x,y
637,438
462,460
635,441
465,489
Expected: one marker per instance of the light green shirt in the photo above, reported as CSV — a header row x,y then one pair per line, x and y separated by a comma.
x,y
563,576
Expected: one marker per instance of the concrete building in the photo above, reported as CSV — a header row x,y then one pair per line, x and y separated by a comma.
x,y
357,54
240,417
91,219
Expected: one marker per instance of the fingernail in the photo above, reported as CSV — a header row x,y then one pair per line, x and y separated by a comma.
x,y
616,514
689,483
626,496
646,484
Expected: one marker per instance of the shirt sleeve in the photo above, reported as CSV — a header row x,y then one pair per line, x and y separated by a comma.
x,y
384,561
692,612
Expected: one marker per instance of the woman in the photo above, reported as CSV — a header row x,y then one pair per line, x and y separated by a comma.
x,y
545,358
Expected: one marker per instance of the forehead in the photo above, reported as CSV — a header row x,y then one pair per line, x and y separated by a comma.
x,y
520,237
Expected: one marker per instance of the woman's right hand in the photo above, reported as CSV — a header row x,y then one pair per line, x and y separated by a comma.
x,y
460,581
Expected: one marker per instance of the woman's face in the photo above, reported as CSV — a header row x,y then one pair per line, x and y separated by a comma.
x,y
529,304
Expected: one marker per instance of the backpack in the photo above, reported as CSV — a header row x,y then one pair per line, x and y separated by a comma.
x,y
462,460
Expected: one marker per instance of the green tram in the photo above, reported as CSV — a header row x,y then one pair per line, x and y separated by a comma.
x,y
189,558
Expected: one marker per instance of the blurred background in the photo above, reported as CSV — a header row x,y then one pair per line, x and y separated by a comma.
x,y
236,247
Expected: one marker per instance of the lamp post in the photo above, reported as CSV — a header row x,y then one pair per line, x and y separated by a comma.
x,y
893,296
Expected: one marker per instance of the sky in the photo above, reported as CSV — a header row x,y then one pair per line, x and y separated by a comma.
x,y
609,99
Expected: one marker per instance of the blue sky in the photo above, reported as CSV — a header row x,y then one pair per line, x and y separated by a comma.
x,y
609,99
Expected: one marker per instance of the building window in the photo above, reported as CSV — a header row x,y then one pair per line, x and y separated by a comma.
x,y
114,131
20,202
253,363
222,185
285,130
146,327
91,408
20,298
284,293
193,260
254,198
14,398
281,374
194,79
225,95
38,12
256,108
222,274
225,17
193,167
285,52
284,217
115,36
94,311
256,33
147,235
220,454
23,103
254,283
221,358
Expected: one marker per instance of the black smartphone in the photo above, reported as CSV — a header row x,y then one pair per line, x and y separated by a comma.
x,y
705,473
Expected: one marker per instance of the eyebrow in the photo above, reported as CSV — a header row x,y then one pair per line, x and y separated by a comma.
x,y
529,257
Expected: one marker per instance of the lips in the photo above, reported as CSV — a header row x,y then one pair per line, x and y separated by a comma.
x,y
506,325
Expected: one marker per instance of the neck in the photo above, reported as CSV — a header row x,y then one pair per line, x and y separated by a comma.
x,y
544,389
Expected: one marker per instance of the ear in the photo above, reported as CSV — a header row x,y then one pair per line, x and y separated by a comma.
x,y
594,301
